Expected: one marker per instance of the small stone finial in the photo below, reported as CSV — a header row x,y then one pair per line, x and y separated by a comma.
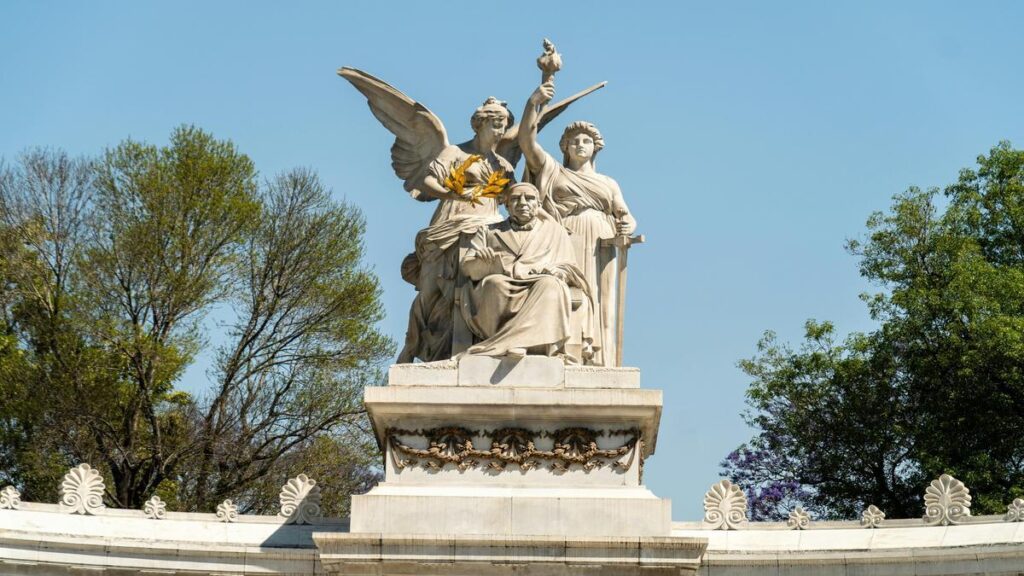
x,y
725,506
549,62
81,492
947,501
1014,511
10,498
872,517
155,508
798,519
227,511
300,500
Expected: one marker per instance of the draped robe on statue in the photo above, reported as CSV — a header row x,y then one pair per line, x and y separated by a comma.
x,y
586,205
521,305
433,266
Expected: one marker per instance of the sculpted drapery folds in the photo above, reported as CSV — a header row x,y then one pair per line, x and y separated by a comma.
x,y
588,204
519,300
458,170
465,179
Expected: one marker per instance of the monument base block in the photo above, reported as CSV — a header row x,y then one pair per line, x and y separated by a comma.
x,y
511,466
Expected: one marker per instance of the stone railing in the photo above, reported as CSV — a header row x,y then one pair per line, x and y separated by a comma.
x,y
82,489
80,533
947,502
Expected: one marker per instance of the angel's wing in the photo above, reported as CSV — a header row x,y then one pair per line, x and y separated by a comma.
x,y
419,134
509,145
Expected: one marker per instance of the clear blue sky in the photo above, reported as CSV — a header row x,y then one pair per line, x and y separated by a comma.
x,y
750,139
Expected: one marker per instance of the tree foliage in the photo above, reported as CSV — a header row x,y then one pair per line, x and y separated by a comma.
x,y
110,267
937,388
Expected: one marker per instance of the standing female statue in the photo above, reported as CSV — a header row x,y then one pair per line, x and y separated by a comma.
x,y
589,204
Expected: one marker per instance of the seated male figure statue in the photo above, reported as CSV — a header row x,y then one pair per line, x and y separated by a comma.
x,y
521,269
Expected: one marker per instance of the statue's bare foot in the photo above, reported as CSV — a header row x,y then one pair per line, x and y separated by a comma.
x,y
516,353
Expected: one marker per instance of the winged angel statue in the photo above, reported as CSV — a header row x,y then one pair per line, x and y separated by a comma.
x,y
465,179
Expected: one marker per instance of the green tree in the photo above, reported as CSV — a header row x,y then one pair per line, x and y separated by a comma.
x,y
54,370
937,388
111,267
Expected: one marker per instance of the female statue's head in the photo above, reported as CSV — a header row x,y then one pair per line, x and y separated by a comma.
x,y
493,114
580,142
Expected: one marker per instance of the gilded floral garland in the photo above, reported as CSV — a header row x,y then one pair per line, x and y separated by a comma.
x,y
454,445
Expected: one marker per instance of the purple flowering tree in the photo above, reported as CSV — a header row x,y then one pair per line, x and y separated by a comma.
x,y
772,488
831,422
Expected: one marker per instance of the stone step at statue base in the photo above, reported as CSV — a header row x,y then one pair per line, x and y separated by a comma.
x,y
377,555
606,512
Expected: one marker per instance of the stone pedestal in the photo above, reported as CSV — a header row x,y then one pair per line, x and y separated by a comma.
x,y
488,458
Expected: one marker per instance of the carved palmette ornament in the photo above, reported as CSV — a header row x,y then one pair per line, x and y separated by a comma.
x,y
872,517
454,445
155,508
10,498
946,501
798,519
1014,511
725,506
300,500
227,511
81,492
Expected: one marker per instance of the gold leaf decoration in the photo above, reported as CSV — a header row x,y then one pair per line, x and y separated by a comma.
x,y
455,182
493,188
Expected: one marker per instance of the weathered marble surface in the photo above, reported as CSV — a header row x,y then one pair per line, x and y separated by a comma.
x,y
531,372
904,547
40,539
374,554
542,395
457,308
485,511
591,206
545,456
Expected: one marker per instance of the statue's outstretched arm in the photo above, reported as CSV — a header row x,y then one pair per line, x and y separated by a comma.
x,y
530,125
509,145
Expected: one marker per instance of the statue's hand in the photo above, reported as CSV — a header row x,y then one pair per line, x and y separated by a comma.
x,y
556,272
625,226
483,262
488,256
543,94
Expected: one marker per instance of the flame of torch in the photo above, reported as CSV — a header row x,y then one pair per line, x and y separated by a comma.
x,y
549,62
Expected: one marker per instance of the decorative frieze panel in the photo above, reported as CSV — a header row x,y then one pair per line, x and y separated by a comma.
x,y
573,446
